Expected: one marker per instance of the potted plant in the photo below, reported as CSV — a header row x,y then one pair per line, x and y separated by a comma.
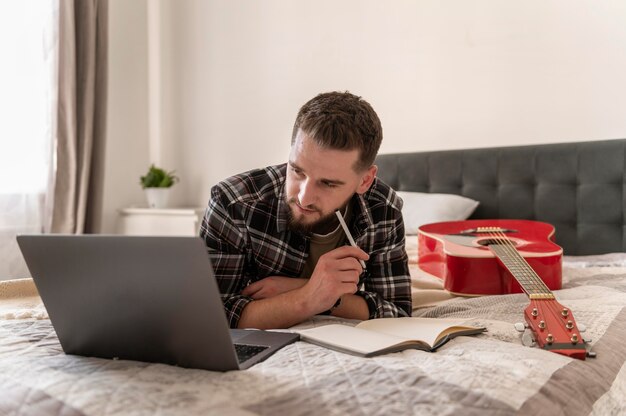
x,y
157,183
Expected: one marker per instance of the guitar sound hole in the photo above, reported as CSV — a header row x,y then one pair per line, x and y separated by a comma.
x,y
492,241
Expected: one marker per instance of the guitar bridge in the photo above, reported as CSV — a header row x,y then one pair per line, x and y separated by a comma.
x,y
481,230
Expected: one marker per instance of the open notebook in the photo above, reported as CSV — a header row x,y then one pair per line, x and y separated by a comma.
x,y
385,335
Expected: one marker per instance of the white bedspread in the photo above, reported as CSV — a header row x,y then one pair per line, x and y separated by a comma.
x,y
489,374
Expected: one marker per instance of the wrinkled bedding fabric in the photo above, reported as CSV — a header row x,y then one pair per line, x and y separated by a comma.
x,y
488,374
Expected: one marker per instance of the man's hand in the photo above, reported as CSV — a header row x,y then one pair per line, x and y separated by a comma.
x,y
272,286
336,273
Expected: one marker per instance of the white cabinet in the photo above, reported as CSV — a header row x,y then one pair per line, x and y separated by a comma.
x,y
153,221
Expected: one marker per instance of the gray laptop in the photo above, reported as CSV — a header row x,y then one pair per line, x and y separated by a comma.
x,y
149,299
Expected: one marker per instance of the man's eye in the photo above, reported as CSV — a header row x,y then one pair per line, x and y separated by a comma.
x,y
329,184
296,171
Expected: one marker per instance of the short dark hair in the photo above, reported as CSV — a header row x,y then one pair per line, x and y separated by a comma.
x,y
342,121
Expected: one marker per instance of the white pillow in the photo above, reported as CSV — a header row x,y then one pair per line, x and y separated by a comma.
x,y
423,208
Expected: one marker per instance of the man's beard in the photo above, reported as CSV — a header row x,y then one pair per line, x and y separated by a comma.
x,y
323,225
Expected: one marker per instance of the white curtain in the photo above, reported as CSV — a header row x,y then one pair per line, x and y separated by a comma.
x,y
28,95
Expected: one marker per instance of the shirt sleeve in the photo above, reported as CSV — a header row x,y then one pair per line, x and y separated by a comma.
x,y
225,239
387,287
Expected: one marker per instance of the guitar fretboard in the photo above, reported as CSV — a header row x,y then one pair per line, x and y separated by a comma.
x,y
530,282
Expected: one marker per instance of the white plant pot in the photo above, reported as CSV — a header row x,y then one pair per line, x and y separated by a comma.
x,y
157,197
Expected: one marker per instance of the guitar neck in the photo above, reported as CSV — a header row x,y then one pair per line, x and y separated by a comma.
x,y
530,282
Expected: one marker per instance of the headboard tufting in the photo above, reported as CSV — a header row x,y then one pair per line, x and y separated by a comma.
x,y
580,188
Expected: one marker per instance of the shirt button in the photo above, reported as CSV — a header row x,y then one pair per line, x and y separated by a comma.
x,y
301,247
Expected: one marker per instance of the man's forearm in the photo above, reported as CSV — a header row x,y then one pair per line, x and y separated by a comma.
x,y
289,309
281,311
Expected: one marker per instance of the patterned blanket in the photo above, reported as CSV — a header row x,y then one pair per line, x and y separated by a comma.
x,y
488,374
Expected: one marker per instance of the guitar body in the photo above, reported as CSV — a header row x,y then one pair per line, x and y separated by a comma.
x,y
468,267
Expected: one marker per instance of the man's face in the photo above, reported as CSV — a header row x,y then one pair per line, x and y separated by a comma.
x,y
320,181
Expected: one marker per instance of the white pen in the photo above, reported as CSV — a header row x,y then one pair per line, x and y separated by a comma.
x,y
350,239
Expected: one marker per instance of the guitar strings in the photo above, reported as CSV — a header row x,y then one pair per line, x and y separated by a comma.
x,y
530,275
527,272
504,243
535,283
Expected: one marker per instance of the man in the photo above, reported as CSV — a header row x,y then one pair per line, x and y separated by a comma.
x,y
277,248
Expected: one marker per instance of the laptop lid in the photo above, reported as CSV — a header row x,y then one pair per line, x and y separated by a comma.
x,y
139,298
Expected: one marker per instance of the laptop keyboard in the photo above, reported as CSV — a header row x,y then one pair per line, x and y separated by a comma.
x,y
245,351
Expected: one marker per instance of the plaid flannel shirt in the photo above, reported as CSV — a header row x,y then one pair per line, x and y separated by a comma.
x,y
246,234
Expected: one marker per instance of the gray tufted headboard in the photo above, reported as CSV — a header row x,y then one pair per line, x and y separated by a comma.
x,y
580,188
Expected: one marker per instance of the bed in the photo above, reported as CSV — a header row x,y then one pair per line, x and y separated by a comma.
x,y
578,187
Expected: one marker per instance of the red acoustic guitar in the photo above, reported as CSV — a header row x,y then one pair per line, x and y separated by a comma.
x,y
490,257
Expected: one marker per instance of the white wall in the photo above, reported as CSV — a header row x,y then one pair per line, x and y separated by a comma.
x,y
127,147
441,74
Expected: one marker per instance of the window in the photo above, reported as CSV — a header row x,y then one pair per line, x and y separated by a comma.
x,y
28,78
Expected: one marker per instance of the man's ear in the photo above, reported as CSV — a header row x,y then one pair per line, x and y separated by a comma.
x,y
367,179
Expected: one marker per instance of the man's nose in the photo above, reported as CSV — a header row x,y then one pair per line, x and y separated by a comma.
x,y
306,196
